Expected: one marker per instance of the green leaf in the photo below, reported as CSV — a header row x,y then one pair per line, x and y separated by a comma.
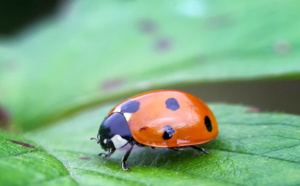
x,y
251,149
96,51
22,162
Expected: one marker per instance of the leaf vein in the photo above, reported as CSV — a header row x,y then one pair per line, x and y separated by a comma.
x,y
112,176
262,155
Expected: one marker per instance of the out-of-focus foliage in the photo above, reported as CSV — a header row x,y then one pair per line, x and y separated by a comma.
x,y
95,51
251,149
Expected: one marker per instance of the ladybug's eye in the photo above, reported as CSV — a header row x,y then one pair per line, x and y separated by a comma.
x,y
106,144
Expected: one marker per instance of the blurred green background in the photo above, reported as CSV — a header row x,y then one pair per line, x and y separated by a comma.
x,y
59,57
64,64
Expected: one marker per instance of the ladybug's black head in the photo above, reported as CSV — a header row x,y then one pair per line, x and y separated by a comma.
x,y
114,132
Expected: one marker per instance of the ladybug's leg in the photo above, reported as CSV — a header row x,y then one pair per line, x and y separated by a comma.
x,y
111,151
139,145
177,148
174,148
200,149
125,157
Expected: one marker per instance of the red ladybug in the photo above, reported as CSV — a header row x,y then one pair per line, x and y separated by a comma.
x,y
164,119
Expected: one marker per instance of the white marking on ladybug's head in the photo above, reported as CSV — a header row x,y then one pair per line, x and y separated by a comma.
x,y
127,116
119,141
117,109
105,141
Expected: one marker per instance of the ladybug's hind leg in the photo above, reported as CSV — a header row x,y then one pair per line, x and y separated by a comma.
x,y
200,149
111,151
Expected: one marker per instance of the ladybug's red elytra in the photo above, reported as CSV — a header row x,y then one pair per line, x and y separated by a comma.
x,y
159,119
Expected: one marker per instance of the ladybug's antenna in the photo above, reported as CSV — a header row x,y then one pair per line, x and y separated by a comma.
x,y
95,139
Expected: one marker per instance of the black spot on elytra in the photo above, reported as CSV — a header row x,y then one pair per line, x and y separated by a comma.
x,y
208,123
172,104
130,106
168,132
21,143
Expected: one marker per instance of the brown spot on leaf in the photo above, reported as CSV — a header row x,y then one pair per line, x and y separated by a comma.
x,y
113,84
143,128
85,158
10,65
163,45
21,143
4,118
253,109
147,26
282,47
219,21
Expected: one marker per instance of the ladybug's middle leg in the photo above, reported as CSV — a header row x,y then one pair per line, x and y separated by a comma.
x,y
124,159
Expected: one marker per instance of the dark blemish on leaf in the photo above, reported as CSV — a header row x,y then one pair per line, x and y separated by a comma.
x,y
172,104
113,84
253,109
4,118
145,85
200,59
207,123
147,26
84,158
218,22
130,106
163,45
282,47
143,128
21,143
168,132
9,65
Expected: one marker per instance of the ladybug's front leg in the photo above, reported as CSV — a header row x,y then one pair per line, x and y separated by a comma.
x,y
111,151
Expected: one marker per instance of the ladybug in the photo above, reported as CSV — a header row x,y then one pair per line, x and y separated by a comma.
x,y
159,119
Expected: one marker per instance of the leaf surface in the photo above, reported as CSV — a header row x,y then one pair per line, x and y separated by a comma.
x,y
22,162
251,149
